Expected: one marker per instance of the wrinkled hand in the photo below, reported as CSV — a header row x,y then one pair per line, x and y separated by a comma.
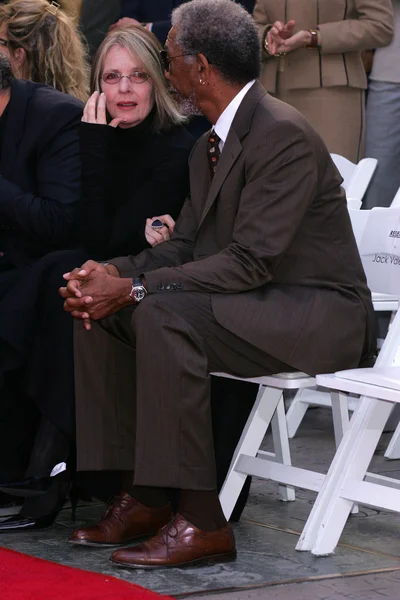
x,y
126,22
281,39
95,111
157,236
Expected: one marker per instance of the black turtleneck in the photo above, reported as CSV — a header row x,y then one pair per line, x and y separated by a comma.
x,y
129,175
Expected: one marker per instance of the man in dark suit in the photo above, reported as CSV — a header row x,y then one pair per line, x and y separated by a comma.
x,y
39,191
262,274
156,14
227,395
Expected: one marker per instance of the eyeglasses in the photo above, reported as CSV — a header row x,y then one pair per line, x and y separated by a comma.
x,y
166,59
136,77
3,42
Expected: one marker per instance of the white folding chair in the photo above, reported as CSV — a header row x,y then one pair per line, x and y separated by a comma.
x,y
356,178
348,480
248,460
317,397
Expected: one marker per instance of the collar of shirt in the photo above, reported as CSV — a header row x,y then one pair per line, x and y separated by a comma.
x,y
223,125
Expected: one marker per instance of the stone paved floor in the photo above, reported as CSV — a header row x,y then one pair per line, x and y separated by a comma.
x,y
366,565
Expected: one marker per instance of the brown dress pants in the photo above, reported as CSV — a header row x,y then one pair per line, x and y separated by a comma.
x,y
143,389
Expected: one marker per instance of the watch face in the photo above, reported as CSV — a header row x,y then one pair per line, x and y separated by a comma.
x,y
139,293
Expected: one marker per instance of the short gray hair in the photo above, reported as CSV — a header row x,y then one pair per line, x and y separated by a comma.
x,y
224,32
6,74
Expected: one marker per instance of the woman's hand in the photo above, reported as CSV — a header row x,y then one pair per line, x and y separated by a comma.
x,y
157,236
95,111
282,40
277,34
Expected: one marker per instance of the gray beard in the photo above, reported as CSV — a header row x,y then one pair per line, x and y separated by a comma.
x,y
186,104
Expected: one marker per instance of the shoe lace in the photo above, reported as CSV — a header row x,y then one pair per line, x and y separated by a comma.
x,y
117,506
170,530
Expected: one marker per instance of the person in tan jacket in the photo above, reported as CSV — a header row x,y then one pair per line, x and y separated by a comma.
x,y
311,51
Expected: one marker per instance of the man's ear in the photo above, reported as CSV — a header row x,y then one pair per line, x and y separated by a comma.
x,y
203,66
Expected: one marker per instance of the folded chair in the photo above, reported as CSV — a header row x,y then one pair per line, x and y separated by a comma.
x,y
268,410
348,480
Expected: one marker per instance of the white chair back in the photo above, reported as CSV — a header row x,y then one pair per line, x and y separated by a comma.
x,y
345,167
356,178
379,249
361,178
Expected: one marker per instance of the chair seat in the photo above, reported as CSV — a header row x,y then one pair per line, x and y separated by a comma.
x,y
359,385
283,381
385,302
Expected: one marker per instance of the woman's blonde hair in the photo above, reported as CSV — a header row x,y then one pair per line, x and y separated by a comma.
x,y
55,53
144,46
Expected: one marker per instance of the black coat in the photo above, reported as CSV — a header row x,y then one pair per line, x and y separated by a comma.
x,y
40,173
127,176
159,12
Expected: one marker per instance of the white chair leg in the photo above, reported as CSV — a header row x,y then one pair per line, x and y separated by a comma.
x,y
330,511
340,414
249,444
281,448
393,449
295,414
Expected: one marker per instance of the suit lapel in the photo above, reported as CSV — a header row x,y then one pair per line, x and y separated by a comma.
x,y
233,146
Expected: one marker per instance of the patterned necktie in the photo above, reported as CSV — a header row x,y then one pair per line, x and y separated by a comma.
x,y
213,152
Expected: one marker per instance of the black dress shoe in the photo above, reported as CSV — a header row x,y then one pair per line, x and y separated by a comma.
x,y
21,523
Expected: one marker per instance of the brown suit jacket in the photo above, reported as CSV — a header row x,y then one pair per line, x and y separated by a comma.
x,y
270,238
346,27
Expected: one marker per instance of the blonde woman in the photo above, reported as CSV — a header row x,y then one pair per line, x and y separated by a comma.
x,y
44,45
134,152
311,51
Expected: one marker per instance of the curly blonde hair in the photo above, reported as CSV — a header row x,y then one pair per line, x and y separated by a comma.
x,y
55,53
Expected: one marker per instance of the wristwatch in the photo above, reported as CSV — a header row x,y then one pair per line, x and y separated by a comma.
x,y
314,38
138,291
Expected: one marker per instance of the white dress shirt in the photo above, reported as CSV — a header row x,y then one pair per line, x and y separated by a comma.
x,y
223,125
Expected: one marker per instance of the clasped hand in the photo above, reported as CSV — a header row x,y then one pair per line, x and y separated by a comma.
x,y
282,40
93,293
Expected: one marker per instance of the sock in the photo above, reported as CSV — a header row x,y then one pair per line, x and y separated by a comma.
x,y
152,497
202,509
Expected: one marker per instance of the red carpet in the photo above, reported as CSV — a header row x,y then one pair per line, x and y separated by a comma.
x,y
23,577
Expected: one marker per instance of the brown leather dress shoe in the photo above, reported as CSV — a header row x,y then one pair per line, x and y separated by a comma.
x,y
126,520
178,543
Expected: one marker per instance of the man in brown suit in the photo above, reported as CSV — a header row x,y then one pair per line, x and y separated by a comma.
x,y
261,275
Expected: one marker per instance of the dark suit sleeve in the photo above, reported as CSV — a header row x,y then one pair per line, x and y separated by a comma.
x,y
47,215
281,182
